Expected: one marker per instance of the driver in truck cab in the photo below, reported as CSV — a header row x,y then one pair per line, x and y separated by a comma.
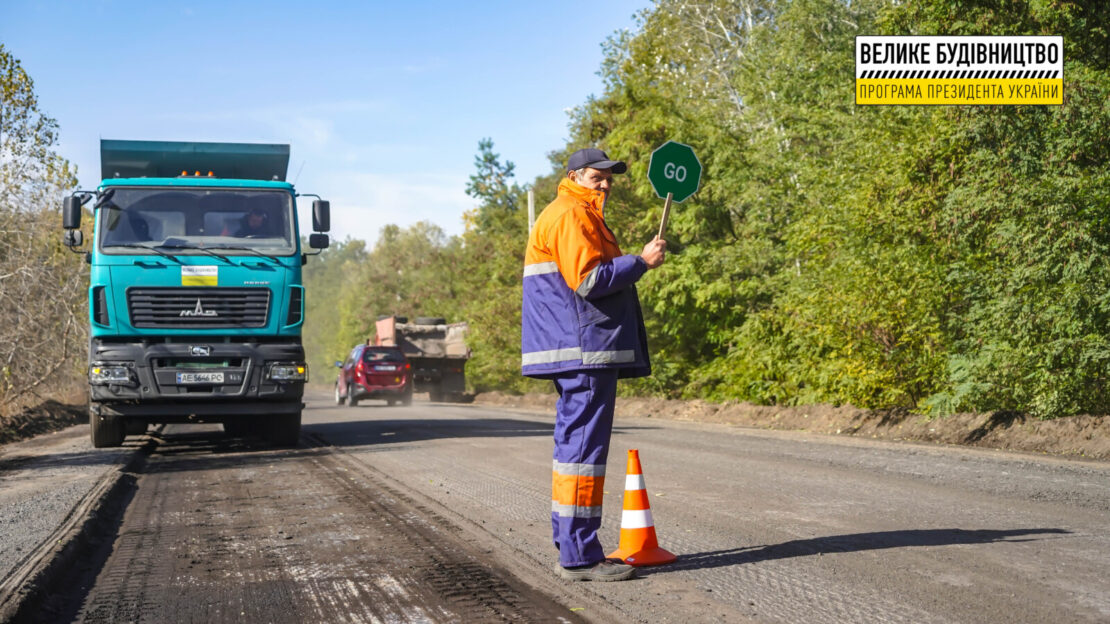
x,y
254,223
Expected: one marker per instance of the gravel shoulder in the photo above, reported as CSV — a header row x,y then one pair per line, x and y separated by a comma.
x,y
50,485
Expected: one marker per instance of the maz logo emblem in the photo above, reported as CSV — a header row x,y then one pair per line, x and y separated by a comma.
x,y
201,350
198,311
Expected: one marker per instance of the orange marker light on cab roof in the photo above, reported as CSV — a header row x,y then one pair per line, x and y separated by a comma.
x,y
210,174
184,173
196,173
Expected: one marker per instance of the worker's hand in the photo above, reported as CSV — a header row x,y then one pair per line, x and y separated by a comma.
x,y
653,252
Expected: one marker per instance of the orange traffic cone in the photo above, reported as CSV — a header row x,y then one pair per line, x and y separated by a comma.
x,y
638,545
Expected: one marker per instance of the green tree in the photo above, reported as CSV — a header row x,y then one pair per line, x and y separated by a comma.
x,y
492,185
1021,222
491,256
325,277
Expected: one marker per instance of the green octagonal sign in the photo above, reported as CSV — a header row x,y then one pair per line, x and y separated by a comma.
x,y
674,169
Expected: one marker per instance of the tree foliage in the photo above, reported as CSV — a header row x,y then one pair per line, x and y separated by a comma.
x,y
326,277
930,258
42,285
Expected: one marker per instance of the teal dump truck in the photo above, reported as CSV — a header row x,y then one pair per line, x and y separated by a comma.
x,y
195,295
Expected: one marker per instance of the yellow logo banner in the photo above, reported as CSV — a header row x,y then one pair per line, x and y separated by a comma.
x,y
959,70
199,275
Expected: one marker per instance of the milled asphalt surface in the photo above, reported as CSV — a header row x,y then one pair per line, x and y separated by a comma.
x,y
227,529
768,526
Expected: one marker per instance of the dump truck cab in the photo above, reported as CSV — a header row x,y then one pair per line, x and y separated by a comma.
x,y
195,295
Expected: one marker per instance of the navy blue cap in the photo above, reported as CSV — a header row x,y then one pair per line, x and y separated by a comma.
x,y
593,157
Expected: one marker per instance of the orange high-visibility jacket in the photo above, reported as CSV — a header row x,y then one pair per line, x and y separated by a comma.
x,y
580,308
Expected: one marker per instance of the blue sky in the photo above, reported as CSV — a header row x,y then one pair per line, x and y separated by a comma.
x,y
383,103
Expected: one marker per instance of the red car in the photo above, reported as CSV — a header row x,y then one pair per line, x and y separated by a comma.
x,y
374,373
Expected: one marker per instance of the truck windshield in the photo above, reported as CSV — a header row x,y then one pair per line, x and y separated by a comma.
x,y
241,221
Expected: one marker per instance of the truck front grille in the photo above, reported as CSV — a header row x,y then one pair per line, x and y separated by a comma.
x,y
198,308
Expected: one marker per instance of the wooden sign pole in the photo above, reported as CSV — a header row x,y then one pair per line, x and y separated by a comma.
x,y
666,215
531,209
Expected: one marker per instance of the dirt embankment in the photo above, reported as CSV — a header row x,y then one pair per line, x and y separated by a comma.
x,y
1076,436
45,417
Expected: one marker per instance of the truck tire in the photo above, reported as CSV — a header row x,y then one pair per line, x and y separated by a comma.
x,y
351,400
283,429
339,398
430,320
406,399
106,431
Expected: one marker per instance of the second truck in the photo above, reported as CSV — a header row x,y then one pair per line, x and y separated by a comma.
x,y
436,349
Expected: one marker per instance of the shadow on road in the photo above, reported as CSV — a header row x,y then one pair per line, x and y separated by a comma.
x,y
69,459
400,430
850,543
213,449
395,431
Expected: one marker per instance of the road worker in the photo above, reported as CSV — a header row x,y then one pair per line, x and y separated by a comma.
x,y
582,328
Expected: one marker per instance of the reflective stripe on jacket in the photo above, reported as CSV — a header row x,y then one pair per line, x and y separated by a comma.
x,y
580,306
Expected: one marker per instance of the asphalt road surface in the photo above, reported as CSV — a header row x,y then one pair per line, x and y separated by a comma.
x,y
439,513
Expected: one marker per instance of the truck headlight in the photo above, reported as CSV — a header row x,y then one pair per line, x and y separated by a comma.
x,y
105,374
287,372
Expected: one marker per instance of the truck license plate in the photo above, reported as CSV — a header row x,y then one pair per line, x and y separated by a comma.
x,y
200,378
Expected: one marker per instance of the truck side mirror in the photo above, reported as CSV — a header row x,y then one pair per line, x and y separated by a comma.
x,y
71,213
338,364
318,241
73,238
321,216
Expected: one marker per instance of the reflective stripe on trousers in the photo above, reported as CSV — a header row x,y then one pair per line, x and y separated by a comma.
x,y
583,424
575,353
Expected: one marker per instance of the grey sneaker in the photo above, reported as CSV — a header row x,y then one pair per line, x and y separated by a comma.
x,y
605,570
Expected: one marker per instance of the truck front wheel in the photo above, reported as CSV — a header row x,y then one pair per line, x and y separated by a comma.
x,y
106,431
283,429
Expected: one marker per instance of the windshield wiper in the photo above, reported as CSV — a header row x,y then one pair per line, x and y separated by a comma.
x,y
203,249
147,247
250,249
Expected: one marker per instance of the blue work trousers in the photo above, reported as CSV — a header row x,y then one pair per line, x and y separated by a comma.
x,y
583,425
